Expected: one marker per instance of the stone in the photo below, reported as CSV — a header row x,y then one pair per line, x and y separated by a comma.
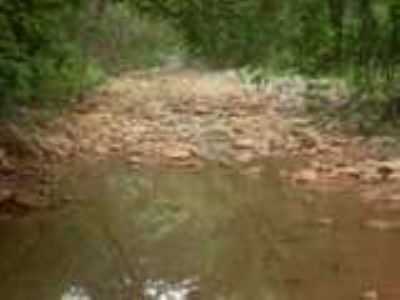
x,y
394,176
176,153
370,295
18,142
350,172
393,198
4,217
305,176
7,195
308,200
325,222
321,166
116,147
253,171
3,153
201,109
244,157
192,164
134,160
371,178
6,167
388,167
382,225
101,150
244,143
395,164
31,201
370,196
388,207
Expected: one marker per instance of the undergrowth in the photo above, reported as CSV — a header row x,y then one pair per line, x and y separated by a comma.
x,y
73,51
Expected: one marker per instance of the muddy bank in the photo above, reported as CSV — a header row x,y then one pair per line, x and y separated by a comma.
x,y
187,118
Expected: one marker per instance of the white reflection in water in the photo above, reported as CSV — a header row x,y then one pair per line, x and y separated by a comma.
x,y
162,290
76,293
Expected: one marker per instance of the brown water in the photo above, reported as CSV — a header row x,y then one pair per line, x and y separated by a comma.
x,y
217,234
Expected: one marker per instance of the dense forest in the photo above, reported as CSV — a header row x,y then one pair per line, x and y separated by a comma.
x,y
52,51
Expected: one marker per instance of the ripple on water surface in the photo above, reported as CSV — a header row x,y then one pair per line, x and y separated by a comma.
x,y
215,234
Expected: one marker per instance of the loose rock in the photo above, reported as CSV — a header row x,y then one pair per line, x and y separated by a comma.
x,y
382,225
305,176
6,196
370,295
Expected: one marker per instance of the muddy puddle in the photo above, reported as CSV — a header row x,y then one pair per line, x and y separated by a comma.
x,y
217,234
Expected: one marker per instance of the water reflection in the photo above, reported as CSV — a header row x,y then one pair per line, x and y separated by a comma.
x,y
212,235
162,290
75,293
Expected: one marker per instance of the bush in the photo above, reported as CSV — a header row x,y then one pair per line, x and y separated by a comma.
x,y
122,39
54,50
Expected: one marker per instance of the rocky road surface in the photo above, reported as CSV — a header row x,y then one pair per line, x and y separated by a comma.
x,y
185,118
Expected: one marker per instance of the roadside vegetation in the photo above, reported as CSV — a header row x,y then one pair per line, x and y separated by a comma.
x,y
54,52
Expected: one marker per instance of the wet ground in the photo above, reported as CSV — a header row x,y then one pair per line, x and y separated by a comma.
x,y
151,218
213,234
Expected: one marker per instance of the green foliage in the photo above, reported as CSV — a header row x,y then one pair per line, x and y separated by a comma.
x,y
224,32
34,53
53,50
121,39
356,40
